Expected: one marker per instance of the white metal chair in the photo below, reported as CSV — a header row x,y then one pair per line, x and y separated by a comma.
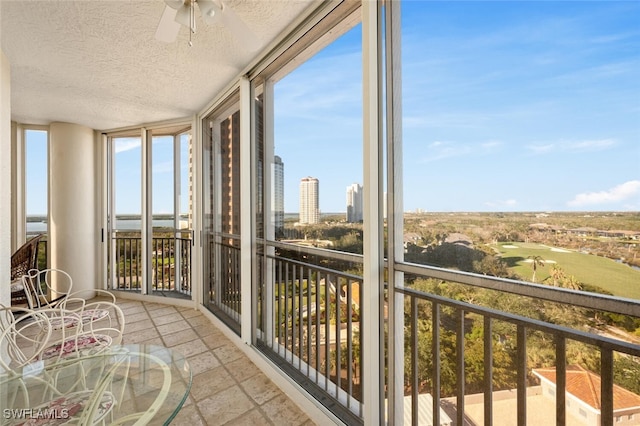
x,y
101,321
46,288
99,325
25,334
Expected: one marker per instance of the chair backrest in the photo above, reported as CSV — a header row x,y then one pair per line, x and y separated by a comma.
x,y
25,334
25,258
46,288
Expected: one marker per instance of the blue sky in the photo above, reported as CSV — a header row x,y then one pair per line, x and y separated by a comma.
x,y
507,106
128,180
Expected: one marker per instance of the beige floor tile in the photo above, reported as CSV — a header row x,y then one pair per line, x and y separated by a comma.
x,y
260,388
205,330
214,340
137,326
253,418
132,308
174,339
242,368
202,362
283,412
210,383
173,327
189,312
191,348
166,319
154,341
228,353
199,320
151,306
163,311
227,388
189,416
225,406
140,336
135,317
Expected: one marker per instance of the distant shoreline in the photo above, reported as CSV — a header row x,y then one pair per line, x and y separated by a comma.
x,y
292,215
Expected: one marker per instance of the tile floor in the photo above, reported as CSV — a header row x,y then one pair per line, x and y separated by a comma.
x,y
227,389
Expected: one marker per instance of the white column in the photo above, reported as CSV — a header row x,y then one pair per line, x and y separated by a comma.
x,y
74,232
5,179
246,212
18,224
372,218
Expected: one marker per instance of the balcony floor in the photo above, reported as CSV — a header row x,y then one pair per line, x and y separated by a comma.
x,y
227,389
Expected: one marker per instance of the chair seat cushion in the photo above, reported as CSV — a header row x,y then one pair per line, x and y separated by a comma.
x,y
64,409
86,316
16,286
84,344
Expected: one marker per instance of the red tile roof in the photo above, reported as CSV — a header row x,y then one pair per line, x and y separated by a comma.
x,y
585,386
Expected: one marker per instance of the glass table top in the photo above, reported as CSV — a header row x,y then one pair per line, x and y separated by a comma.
x,y
125,385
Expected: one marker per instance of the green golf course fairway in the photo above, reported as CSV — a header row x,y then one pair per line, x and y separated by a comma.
x,y
614,277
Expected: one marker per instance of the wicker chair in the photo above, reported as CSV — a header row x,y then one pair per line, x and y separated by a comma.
x,y
22,261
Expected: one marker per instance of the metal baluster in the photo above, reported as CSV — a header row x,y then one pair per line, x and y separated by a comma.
x,y
460,371
522,374
488,372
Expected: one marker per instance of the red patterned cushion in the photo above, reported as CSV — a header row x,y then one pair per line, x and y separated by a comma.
x,y
86,316
70,346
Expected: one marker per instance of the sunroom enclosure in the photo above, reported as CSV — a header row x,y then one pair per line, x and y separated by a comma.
x,y
388,320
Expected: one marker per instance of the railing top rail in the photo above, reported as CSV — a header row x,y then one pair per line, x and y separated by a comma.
x,y
132,231
331,254
600,302
585,337
317,268
223,235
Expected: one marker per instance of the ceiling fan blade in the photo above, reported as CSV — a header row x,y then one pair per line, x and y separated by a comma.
x,y
183,16
239,29
174,4
168,27
210,11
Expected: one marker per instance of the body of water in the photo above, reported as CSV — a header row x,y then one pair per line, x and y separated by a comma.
x,y
40,227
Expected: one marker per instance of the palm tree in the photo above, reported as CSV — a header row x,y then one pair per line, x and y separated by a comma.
x,y
535,262
572,283
557,275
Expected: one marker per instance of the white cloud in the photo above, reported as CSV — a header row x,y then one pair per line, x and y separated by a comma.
x,y
541,149
439,150
127,144
590,145
572,146
491,144
163,167
618,193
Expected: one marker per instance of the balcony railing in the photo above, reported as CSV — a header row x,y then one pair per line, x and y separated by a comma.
x,y
313,324
455,351
170,264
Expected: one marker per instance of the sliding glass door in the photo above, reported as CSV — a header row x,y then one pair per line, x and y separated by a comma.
x,y
149,220
221,223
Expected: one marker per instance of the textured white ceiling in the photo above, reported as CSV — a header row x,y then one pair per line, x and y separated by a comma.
x,y
98,64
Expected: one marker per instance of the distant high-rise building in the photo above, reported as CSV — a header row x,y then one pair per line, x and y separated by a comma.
x,y
277,196
309,210
230,174
354,203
